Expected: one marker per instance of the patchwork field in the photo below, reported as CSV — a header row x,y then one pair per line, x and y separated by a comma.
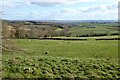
x,y
93,31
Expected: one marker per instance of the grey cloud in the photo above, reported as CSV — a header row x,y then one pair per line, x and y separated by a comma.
x,y
113,6
92,9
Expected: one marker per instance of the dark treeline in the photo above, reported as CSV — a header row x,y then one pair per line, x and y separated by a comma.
x,y
109,39
64,39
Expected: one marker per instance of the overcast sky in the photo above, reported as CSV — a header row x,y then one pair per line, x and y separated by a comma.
x,y
59,9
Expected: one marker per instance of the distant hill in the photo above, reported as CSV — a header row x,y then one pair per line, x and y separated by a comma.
x,y
66,21
75,21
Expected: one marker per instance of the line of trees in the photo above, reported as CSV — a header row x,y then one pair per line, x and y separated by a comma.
x,y
21,31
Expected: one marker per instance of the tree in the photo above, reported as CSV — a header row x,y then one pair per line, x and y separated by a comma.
x,y
65,31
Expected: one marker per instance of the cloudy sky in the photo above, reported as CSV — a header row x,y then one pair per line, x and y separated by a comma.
x,y
59,9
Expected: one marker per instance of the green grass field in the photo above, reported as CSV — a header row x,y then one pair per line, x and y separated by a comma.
x,y
64,59
96,30
73,49
77,52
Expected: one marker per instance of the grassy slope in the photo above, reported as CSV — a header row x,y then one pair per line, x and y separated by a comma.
x,y
41,67
83,59
72,49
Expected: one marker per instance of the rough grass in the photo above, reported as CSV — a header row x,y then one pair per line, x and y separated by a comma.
x,y
45,67
64,59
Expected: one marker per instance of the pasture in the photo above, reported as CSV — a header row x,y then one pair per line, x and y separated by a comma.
x,y
93,30
72,49
62,59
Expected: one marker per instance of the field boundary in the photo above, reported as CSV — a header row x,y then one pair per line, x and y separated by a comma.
x,y
63,39
75,39
109,39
